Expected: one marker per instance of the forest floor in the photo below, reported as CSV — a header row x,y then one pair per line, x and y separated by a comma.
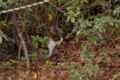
x,y
69,51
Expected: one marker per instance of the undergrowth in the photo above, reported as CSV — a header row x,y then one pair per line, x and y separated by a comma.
x,y
98,28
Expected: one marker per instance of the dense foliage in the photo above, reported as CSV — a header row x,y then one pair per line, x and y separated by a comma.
x,y
96,22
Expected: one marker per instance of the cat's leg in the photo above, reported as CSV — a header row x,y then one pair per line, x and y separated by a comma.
x,y
51,47
58,43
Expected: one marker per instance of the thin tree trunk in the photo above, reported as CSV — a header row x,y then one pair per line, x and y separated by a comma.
x,y
22,42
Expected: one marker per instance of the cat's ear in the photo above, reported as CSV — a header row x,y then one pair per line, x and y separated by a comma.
x,y
53,28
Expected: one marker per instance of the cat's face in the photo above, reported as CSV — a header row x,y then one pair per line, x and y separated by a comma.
x,y
55,34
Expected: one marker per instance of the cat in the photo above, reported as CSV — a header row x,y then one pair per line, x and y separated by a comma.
x,y
10,49
57,39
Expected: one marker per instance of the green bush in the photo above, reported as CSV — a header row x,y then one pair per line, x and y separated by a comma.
x,y
96,29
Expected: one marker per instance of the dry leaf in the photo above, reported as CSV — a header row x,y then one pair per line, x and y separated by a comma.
x,y
50,17
52,74
102,72
61,59
113,78
1,78
62,74
35,76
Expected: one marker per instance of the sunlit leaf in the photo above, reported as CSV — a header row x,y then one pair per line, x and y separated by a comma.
x,y
71,12
68,18
50,17
35,76
113,78
0,39
111,23
73,20
86,1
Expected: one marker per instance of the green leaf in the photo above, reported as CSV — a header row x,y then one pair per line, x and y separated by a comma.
x,y
48,63
68,8
78,8
116,0
111,23
112,31
0,39
77,12
37,37
85,1
73,20
12,68
68,18
116,25
71,12
45,51
10,1
4,37
68,35
36,45
2,4
114,12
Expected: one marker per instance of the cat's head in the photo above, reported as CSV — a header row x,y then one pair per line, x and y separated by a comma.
x,y
55,33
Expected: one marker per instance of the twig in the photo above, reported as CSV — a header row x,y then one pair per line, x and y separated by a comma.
x,y
22,42
57,8
56,17
67,4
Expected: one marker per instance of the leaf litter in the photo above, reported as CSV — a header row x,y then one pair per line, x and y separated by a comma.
x,y
70,51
